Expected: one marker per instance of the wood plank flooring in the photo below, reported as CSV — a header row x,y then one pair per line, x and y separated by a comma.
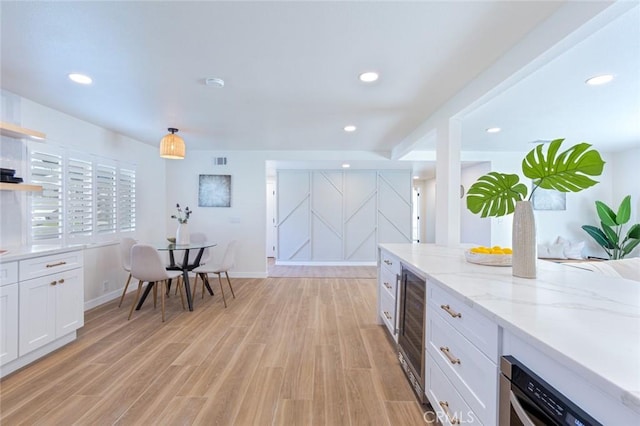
x,y
286,351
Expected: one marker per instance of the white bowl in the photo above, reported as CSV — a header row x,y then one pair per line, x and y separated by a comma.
x,y
488,259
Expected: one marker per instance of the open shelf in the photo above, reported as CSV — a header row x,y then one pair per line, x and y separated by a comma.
x,y
14,131
19,187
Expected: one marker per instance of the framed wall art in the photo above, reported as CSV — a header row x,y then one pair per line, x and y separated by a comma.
x,y
549,199
214,191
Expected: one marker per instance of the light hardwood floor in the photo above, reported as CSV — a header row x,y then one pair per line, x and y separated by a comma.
x,y
287,351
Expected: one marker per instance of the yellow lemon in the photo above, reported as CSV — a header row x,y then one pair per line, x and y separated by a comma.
x,y
507,250
497,251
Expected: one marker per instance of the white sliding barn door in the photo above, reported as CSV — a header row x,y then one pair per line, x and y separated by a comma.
x,y
360,216
326,215
394,207
294,237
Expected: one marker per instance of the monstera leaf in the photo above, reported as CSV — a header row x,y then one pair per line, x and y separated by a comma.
x,y
568,171
495,194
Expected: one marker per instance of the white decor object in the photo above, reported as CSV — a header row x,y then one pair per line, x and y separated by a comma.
x,y
523,241
182,233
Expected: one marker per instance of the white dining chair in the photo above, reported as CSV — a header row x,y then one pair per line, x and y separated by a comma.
x,y
228,261
125,257
147,266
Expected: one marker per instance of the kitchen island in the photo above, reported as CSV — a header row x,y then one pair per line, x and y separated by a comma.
x,y
578,330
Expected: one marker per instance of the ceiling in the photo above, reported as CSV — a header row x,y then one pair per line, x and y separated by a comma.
x,y
291,71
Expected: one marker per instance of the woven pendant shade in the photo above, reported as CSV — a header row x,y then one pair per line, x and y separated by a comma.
x,y
172,146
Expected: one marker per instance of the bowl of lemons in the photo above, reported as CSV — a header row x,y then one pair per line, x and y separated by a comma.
x,y
491,256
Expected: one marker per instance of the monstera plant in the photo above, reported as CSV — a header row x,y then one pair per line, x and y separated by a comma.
x,y
609,235
495,194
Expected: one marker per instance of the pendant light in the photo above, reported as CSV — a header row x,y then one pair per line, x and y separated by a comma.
x,y
172,146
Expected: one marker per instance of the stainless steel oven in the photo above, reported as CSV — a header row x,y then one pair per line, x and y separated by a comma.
x,y
411,323
526,399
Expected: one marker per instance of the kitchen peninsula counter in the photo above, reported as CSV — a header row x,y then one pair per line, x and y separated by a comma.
x,y
585,322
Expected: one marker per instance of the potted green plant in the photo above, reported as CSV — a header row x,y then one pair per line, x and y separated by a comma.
x,y
610,233
498,194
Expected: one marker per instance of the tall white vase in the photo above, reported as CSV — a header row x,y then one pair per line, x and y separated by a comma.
x,y
523,241
182,234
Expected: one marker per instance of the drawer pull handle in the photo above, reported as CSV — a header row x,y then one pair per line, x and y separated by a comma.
x,y
445,406
53,283
451,312
53,265
388,262
60,281
445,351
387,285
386,314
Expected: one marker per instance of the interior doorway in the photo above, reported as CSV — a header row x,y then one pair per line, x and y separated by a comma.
x,y
271,219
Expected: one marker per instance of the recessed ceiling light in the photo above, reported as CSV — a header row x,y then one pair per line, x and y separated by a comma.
x,y
346,165
493,129
599,79
214,82
80,78
369,76
350,128
416,177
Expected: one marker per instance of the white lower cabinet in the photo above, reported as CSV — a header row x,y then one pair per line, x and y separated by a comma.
x,y
50,307
8,323
448,404
462,370
42,310
388,272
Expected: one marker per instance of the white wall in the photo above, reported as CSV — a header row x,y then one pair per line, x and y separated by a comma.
x,y
102,262
244,221
473,228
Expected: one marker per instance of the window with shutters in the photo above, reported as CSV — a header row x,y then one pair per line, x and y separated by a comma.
x,y
79,201
126,200
46,207
84,197
105,189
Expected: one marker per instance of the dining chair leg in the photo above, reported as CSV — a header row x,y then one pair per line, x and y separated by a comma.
x,y
221,289
136,299
155,294
229,281
195,286
204,279
162,298
181,295
126,286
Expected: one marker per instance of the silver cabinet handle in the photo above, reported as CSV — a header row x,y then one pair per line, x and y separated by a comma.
x,y
387,285
450,311
388,315
53,265
445,406
445,351
388,262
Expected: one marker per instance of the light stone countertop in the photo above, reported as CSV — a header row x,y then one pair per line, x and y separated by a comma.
x,y
586,321
26,252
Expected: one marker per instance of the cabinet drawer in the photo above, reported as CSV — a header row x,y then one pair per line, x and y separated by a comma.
x,y
45,265
388,312
390,262
388,282
449,406
474,376
477,328
8,273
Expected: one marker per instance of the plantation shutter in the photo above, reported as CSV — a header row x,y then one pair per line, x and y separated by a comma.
x,y
126,200
105,199
46,206
79,218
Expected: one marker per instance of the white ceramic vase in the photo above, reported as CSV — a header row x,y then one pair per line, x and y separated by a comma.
x,y
523,241
182,233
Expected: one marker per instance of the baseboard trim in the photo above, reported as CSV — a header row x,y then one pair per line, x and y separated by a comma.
x,y
316,263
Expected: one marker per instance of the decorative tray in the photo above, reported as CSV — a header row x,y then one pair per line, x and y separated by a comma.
x,y
488,259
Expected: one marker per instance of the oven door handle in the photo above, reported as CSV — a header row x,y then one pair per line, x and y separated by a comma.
x,y
517,407
395,316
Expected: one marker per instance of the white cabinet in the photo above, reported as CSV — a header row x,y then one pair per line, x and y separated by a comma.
x,y
51,304
8,312
388,275
462,370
